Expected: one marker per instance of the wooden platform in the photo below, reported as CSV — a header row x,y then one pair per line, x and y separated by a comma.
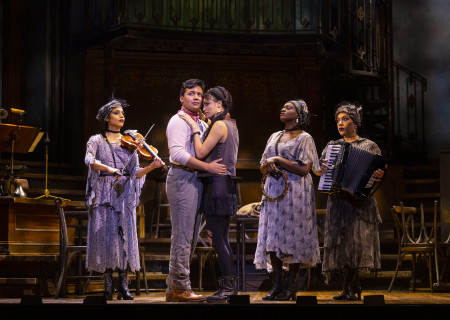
x,y
397,304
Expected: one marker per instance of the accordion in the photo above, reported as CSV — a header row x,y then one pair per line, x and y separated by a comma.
x,y
351,169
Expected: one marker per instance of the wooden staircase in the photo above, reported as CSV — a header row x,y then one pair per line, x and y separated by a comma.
x,y
422,184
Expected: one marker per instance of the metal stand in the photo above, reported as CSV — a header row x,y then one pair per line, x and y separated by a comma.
x,y
47,192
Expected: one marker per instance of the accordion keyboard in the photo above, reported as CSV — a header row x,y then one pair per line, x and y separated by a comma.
x,y
351,169
326,180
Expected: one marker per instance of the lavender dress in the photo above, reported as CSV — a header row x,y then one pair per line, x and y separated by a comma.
x,y
289,227
112,235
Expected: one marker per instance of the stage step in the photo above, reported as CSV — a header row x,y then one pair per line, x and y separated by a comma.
x,y
22,166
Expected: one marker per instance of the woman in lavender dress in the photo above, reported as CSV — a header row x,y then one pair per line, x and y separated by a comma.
x,y
287,232
112,195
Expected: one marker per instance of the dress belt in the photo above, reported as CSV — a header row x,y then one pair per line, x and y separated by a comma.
x,y
178,166
105,173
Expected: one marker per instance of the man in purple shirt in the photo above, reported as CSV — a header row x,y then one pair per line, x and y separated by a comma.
x,y
184,190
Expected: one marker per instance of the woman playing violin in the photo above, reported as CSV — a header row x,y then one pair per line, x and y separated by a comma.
x,y
113,187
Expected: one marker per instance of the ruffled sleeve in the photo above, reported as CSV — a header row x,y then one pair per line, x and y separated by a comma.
x,y
307,152
137,182
92,177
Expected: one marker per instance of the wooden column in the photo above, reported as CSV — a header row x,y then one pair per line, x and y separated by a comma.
x,y
14,70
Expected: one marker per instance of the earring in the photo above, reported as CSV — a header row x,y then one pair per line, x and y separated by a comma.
x,y
296,120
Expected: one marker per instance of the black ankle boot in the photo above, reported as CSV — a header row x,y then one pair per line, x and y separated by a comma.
x,y
122,289
277,281
290,288
227,287
356,285
108,284
347,291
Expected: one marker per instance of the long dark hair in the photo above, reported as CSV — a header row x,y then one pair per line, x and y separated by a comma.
x,y
216,94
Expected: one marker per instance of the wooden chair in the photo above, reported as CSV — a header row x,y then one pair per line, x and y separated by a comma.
x,y
67,250
413,238
441,254
140,225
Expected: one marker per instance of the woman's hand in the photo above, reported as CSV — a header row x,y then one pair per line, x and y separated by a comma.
x,y
379,174
270,164
189,120
156,163
115,172
202,116
324,167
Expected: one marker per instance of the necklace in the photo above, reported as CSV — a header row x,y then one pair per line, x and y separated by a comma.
x,y
112,131
357,137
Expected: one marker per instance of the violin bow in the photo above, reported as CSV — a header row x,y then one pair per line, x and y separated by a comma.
x,y
137,148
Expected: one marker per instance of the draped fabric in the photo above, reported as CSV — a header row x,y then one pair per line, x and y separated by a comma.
x,y
289,227
351,227
112,235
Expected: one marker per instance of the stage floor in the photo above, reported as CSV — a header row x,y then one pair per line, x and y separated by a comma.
x,y
323,297
397,305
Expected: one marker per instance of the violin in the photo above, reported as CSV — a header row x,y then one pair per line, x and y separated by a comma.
x,y
133,140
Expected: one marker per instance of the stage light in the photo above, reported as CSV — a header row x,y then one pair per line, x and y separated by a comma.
x,y
306,300
31,299
240,299
94,300
374,300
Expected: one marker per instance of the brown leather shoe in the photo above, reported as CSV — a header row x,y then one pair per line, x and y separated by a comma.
x,y
186,296
169,297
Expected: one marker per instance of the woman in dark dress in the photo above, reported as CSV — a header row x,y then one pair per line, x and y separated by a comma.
x,y
219,201
351,241
112,195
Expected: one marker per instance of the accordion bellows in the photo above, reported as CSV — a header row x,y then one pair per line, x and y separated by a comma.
x,y
351,169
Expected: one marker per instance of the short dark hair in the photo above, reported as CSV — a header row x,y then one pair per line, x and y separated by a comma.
x,y
192,83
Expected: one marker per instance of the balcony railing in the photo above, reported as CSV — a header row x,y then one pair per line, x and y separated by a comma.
x,y
409,109
360,27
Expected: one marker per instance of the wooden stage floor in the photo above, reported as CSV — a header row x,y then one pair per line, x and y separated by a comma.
x,y
323,297
396,304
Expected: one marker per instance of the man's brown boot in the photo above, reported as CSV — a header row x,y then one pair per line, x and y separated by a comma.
x,y
186,295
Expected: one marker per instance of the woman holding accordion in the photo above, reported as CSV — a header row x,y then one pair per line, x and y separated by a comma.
x,y
287,234
351,241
